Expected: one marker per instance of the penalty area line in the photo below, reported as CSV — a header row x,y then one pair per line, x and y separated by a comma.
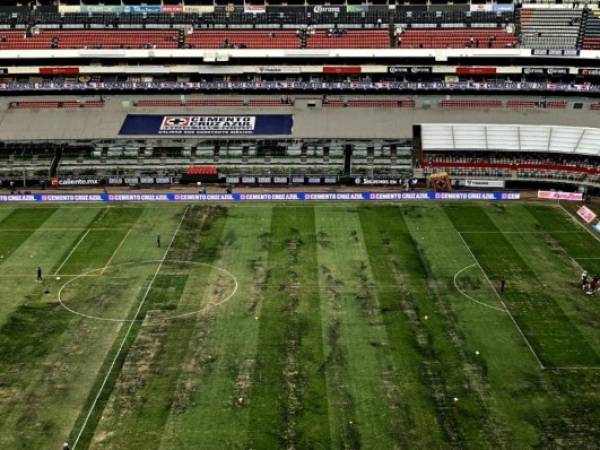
x,y
115,252
72,251
537,358
120,349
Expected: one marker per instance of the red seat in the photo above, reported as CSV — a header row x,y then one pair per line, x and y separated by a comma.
x,y
457,38
89,38
349,39
470,104
247,38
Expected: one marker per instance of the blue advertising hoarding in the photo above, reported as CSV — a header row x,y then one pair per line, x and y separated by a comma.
x,y
198,125
260,196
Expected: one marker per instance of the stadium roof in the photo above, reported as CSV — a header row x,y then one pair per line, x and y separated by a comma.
x,y
67,124
521,138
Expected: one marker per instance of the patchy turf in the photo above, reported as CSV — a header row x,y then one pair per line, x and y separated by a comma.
x,y
352,327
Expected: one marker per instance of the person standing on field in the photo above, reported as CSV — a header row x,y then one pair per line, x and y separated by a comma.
x,y
158,240
502,284
584,280
39,274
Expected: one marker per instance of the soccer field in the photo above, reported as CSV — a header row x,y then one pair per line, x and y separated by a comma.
x,y
319,326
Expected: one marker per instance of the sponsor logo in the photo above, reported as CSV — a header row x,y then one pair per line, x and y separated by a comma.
x,y
558,195
408,69
326,9
554,52
194,125
74,182
208,124
545,70
301,196
586,214
483,183
590,72
378,181
255,9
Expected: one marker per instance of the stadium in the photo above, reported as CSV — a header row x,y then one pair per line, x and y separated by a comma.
x,y
299,224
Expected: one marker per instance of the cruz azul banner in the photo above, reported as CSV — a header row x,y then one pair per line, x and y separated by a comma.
x,y
194,125
261,196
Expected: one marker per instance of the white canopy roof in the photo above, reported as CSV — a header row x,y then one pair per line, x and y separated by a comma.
x,y
515,138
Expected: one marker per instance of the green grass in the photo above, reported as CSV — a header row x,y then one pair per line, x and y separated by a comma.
x,y
349,329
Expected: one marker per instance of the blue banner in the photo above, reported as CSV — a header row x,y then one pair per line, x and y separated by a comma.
x,y
260,196
195,125
145,9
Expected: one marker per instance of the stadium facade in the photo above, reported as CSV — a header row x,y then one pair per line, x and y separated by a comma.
x,y
336,92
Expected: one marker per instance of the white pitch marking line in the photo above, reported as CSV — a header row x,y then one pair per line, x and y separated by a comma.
x,y
114,361
468,296
115,252
179,316
72,251
502,301
575,368
574,219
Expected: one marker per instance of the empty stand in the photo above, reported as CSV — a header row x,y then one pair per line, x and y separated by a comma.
x,y
243,38
369,103
10,40
46,39
156,103
550,28
267,102
591,35
215,102
457,38
349,39
471,104
47,104
521,104
560,104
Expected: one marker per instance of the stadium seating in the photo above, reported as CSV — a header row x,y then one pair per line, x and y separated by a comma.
x,y
550,28
46,39
470,104
243,38
348,39
368,103
207,102
117,39
591,36
521,104
201,170
45,104
457,38
156,103
505,165
18,40
442,27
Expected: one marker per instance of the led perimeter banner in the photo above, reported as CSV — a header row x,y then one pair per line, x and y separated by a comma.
x,y
259,196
